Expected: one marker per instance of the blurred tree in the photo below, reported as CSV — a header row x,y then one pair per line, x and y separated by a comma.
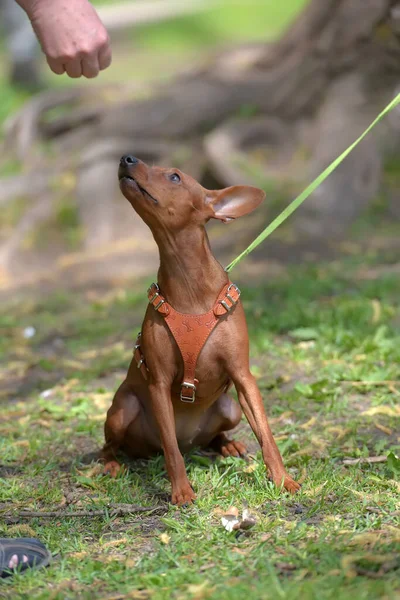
x,y
260,113
22,46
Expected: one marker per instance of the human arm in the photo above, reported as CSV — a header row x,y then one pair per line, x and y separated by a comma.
x,y
71,35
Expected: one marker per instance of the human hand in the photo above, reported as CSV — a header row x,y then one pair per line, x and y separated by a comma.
x,y
71,35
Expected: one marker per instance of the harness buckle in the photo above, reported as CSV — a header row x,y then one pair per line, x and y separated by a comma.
x,y
152,294
232,301
226,306
137,345
235,287
155,290
188,399
157,306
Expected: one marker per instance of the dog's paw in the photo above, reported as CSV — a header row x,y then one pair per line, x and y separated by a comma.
x,y
233,448
112,468
286,482
291,485
183,496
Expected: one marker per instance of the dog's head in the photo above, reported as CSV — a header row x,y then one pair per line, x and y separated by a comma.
x,y
168,198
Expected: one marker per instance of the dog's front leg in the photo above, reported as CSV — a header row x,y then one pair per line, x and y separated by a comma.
x,y
251,402
163,411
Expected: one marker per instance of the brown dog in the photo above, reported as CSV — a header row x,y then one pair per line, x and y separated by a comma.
x,y
194,340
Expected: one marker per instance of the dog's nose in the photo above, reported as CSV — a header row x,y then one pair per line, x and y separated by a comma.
x,y
128,160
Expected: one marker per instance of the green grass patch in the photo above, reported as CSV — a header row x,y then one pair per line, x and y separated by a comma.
x,y
325,350
231,23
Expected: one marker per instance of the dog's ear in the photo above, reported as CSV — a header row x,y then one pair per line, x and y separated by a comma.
x,y
233,202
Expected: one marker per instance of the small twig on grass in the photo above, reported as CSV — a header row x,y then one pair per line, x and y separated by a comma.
x,y
112,511
368,459
366,383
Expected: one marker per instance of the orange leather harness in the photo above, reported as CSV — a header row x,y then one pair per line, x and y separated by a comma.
x,y
189,331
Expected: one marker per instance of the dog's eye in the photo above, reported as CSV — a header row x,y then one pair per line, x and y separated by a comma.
x,y
175,178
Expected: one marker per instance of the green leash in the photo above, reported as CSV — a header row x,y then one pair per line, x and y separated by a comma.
x,y
313,186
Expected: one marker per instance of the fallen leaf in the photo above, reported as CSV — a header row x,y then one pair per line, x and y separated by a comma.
x,y
232,522
93,471
382,410
200,590
79,554
309,423
365,539
22,443
233,511
165,538
43,423
351,567
113,558
394,532
283,417
347,563
130,563
230,519
306,345
386,430
318,442
113,543
340,432
239,551
251,468
248,521
360,357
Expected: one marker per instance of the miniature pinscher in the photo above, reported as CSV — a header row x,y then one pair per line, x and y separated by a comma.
x,y
194,343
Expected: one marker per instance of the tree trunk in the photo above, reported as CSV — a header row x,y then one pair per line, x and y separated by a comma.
x,y
262,114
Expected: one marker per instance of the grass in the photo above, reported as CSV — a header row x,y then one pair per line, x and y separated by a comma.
x,y
232,22
326,352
